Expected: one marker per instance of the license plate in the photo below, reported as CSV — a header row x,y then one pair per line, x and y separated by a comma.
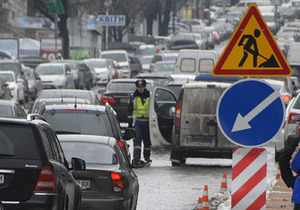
x,y
124,100
1,179
85,184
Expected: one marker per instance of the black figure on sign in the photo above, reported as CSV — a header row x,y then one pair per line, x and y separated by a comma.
x,y
251,47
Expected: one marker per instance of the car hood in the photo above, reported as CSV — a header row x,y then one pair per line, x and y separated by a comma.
x,y
101,70
50,77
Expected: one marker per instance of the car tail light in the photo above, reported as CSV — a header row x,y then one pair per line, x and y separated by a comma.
x,y
121,143
286,97
290,117
108,99
46,180
118,184
178,114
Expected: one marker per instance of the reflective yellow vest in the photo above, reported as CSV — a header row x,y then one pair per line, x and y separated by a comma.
x,y
140,109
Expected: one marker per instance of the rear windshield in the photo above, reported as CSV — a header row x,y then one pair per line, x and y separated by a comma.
x,y
201,101
18,142
91,153
124,87
79,122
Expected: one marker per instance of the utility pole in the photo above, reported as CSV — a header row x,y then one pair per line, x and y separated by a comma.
x,y
107,5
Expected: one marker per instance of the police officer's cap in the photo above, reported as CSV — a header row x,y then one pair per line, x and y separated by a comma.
x,y
140,83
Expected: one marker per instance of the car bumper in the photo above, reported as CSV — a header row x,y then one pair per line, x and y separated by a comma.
x,y
123,73
38,201
106,202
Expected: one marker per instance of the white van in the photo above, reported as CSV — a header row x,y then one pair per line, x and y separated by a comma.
x,y
195,62
121,56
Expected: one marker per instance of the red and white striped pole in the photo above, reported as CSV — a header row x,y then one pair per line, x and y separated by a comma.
x,y
249,170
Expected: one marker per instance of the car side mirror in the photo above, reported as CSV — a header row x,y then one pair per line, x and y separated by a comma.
x,y
129,133
78,164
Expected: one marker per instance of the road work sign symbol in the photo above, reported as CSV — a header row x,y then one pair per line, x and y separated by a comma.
x,y
252,50
250,113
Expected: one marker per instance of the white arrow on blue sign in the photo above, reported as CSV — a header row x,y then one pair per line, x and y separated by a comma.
x,y
250,113
112,20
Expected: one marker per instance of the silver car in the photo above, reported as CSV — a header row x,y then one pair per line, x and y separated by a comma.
x,y
55,76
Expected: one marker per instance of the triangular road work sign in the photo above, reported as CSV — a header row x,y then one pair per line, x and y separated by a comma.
x,y
252,50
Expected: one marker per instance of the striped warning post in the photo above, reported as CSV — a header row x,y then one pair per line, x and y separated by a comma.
x,y
205,198
223,187
199,205
278,173
249,170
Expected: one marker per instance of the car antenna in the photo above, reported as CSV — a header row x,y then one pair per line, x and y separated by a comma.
x,y
75,106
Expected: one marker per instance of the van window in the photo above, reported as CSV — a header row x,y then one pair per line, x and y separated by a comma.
x,y
201,101
206,65
188,65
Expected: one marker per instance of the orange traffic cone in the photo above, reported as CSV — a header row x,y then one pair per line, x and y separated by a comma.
x,y
205,198
199,205
278,174
223,187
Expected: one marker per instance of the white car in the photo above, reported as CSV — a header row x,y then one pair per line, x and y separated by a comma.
x,y
15,85
103,70
55,76
121,56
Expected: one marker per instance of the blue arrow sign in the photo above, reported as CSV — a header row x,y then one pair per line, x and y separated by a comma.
x,y
250,113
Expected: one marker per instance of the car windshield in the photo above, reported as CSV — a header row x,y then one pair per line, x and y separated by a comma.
x,y
98,64
79,122
91,153
119,57
7,77
9,66
49,70
158,67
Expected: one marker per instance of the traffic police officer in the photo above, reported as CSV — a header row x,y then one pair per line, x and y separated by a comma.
x,y
138,111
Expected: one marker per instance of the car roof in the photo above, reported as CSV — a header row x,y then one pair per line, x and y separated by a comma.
x,y
90,107
113,51
7,102
4,120
52,64
85,138
60,92
8,72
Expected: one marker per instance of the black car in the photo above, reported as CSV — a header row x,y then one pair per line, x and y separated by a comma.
x,y
117,94
87,119
34,173
108,181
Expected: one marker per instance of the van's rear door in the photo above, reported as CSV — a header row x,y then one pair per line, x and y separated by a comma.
x,y
198,117
161,115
